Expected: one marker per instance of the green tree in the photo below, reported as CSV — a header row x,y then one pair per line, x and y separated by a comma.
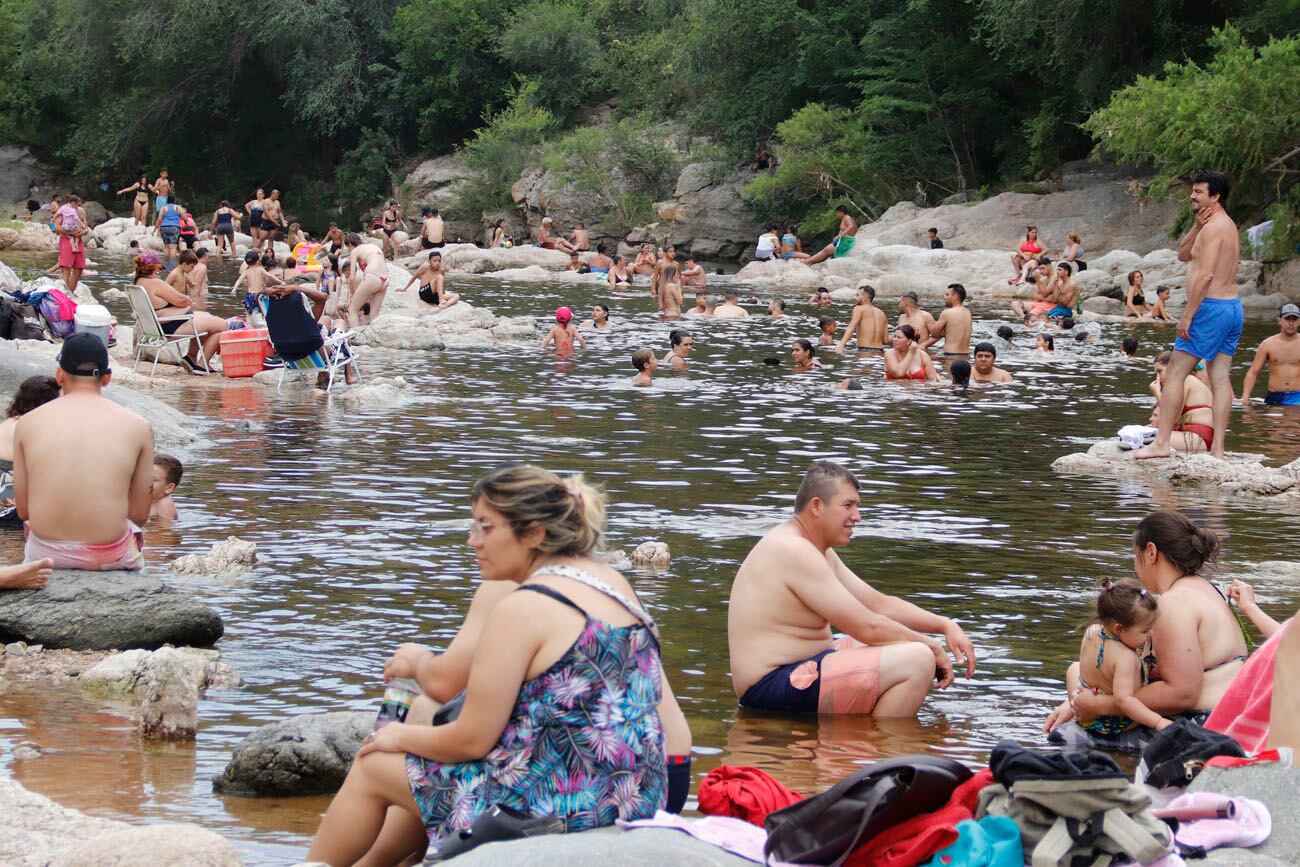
x,y
499,151
626,163
555,43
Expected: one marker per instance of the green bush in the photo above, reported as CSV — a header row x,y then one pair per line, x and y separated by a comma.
x,y
556,44
509,142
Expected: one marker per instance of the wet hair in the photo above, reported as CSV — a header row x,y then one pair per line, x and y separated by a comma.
x,y
822,481
1129,345
32,392
1006,332
908,331
171,466
1049,340
824,321
959,289
909,296
780,302
601,248
617,258
290,262
732,295
251,256
1182,543
641,358
985,346
187,257
1131,275
268,259
675,338
1124,602
806,346
200,252
823,290
571,511
602,307
961,372
1163,358
1067,322
1216,183
352,239
146,266
869,289
433,212
1081,336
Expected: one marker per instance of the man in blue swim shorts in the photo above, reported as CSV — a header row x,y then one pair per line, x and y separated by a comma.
x,y
1281,353
1211,324
790,590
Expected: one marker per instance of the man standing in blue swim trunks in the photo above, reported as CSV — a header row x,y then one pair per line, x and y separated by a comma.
x,y
1281,353
793,587
1211,325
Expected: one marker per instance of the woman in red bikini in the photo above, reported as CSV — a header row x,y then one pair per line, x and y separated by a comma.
x,y
1028,252
1195,430
907,360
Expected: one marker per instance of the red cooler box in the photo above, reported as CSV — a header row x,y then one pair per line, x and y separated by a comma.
x,y
243,351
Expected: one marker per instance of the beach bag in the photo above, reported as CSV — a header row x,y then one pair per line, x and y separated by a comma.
x,y
826,828
1178,752
1090,820
20,322
60,313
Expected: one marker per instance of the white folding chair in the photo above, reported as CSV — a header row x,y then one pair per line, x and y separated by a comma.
x,y
149,333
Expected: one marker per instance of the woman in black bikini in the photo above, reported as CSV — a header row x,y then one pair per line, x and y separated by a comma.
x,y
619,275
1198,646
391,218
140,207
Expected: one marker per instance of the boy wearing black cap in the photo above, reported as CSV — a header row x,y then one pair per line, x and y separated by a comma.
x,y
83,469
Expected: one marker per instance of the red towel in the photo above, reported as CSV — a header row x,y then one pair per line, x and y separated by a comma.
x,y
1242,714
917,839
745,793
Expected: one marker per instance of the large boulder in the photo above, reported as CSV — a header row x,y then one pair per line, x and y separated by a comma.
x,y
609,847
9,281
172,430
18,173
304,755
540,193
39,833
107,610
32,238
706,218
126,675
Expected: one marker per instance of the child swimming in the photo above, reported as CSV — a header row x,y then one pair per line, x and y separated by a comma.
x,y
563,333
1110,657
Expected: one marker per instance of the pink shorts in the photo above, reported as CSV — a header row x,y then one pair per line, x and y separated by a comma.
x,y
126,553
68,258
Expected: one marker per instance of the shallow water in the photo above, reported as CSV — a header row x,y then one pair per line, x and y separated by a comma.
x,y
360,517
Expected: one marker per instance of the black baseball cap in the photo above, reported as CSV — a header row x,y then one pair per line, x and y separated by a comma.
x,y
84,355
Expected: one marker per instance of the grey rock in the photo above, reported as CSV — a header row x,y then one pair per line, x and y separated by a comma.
x,y
107,610
27,750
9,281
1275,787
18,173
305,755
607,847
17,648
170,709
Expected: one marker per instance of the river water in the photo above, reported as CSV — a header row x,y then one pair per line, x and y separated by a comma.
x,y
360,519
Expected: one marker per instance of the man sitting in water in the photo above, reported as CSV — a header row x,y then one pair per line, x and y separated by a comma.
x,y
645,363
600,263
953,324
692,273
984,370
791,589
730,308
83,469
701,307
1281,353
821,297
869,323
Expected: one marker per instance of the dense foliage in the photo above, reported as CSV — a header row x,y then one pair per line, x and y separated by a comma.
x,y
867,101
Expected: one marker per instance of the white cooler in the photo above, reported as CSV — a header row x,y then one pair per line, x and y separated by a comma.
x,y
94,319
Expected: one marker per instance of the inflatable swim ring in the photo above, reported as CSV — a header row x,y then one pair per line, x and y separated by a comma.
x,y
308,255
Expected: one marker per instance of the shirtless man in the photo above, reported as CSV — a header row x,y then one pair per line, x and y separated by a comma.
x,y
1210,326
730,307
911,314
701,307
692,273
369,276
430,277
162,189
432,230
182,280
1281,353
681,342
868,323
1067,292
793,587
550,242
580,240
1044,294
334,240
953,324
984,369
272,220
601,263
842,243
83,469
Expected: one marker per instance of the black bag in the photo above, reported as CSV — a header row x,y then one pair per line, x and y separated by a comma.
x,y
450,710
826,828
1178,752
20,322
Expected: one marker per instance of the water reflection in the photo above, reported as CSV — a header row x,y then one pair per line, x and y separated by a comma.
x,y
359,518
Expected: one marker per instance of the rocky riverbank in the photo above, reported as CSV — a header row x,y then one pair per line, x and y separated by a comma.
x,y
1238,474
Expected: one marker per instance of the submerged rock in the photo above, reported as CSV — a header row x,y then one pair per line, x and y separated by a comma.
x,y
106,610
169,709
129,673
376,392
232,555
39,833
654,554
304,755
1239,473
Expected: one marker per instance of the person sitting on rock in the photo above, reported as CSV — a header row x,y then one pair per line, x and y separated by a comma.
x,y
645,261
1195,430
1135,303
1024,258
1073,252
167,472
547,241
791,246
83,469
600,264
1067,292
842,243
561,678
619,273
1044,280
1158,310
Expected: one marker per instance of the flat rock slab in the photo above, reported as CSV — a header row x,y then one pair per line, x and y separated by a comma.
x,y
305,755
1275,787
1238,473
608,847
107,610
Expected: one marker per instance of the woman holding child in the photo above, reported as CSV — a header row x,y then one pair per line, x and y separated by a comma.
x,y
563,691
1197,646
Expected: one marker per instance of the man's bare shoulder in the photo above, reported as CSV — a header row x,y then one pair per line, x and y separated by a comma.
x,y
786,544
